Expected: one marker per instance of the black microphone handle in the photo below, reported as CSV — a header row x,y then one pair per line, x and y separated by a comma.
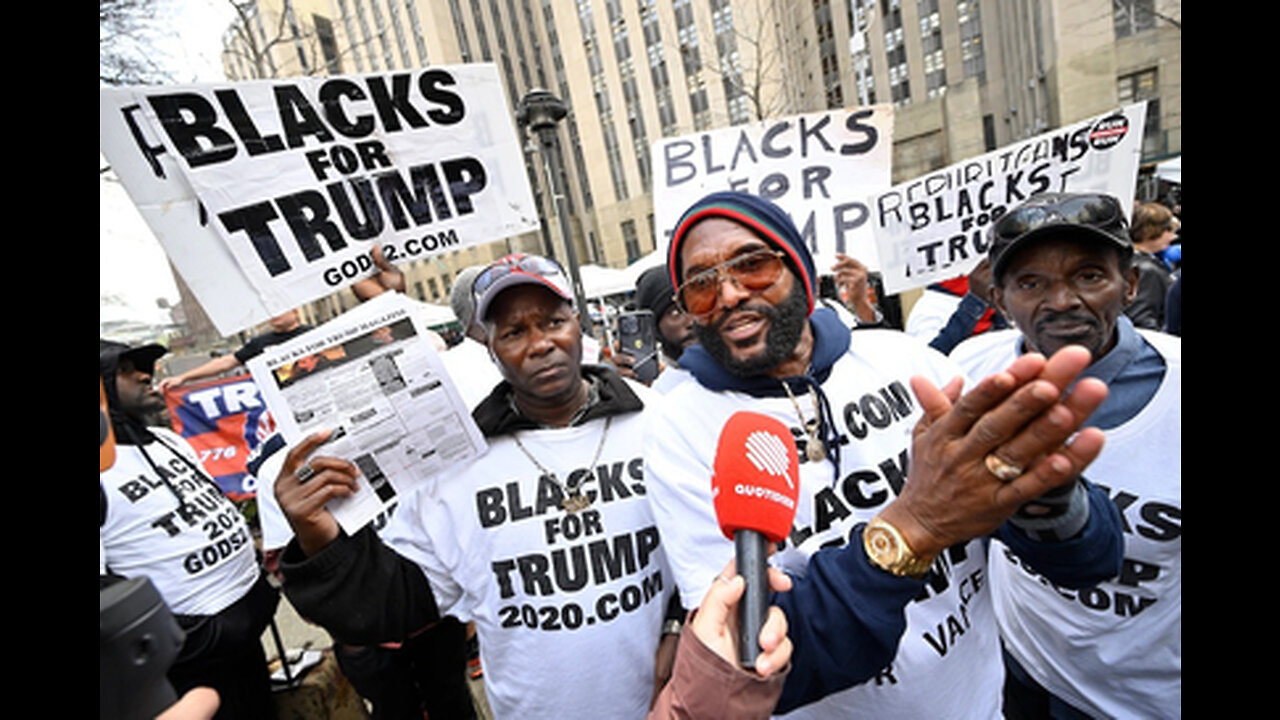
x,y
752,551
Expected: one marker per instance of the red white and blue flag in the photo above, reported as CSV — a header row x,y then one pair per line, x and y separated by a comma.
x,y
224,421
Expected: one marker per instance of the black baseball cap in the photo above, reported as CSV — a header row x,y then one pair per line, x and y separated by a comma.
x,y
1093,216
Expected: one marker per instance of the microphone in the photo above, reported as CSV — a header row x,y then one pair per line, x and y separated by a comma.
x,y
754,485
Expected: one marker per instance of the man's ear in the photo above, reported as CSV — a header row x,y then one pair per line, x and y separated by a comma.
x,y
997,299
1131,284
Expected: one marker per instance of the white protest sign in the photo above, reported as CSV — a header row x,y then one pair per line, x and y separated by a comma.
x,y
301,176
166,201
935,227
818,167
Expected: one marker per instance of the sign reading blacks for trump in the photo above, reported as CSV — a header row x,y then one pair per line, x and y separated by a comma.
x,y
936,226
819,167
299,178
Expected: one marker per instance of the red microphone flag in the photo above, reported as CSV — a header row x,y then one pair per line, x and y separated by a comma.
x,y
756,477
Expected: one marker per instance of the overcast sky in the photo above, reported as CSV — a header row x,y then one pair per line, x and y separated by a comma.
x,y
132,265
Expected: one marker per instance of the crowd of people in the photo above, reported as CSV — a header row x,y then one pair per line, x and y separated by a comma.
x,y
988,522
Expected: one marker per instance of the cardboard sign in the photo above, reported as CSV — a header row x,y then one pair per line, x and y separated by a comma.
x,y
819,167
935,227
223,421
282,187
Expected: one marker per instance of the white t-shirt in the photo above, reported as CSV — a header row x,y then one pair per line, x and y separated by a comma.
x,y
1114,650
197,552
568,607
472,369
931,313
948,662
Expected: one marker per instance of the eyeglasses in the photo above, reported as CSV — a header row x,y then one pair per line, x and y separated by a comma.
x,y
754,271
1098,211
525,264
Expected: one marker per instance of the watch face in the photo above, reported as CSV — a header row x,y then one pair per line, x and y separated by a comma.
x,y
882,546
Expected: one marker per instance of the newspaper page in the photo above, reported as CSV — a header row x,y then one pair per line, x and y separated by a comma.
x,y
373,377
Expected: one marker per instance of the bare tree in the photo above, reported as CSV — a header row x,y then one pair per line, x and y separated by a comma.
x,y
254,38
125,53
751,63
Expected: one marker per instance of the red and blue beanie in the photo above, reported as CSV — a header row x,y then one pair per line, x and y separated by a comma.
x,y
769,222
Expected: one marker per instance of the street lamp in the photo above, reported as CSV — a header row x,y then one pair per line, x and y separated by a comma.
x,y
540,111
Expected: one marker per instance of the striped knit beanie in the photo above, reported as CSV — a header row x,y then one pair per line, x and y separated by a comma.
x,y
769,222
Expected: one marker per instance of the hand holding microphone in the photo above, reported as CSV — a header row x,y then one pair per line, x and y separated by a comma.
x,y
754,486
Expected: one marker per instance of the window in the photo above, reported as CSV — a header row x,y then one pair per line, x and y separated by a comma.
x,y
328,47
1133,16
630,240
1144,85
971,54
989,132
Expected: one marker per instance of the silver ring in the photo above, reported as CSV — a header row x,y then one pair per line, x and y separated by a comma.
x,y
304,473
1002,469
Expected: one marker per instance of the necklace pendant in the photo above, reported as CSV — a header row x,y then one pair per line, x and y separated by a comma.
x,y
575,502
815,450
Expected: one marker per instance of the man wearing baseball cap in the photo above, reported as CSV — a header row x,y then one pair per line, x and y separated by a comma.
x,y
162,517
1063,274
546,542
909,481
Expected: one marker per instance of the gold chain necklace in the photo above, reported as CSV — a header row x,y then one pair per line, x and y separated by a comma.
x,y
815,449
574,499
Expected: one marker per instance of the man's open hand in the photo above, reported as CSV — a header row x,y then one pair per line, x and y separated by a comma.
x,y
1022,418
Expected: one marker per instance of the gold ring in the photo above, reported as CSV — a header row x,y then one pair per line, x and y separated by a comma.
x,y
1002,469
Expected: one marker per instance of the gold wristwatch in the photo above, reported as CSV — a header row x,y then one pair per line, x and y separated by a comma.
x,y
889,551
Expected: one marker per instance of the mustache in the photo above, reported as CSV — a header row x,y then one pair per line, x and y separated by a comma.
x,y
759,308
1051,317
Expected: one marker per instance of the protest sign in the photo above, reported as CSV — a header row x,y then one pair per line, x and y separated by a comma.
x,y
818,167
935,227
223,421
298,178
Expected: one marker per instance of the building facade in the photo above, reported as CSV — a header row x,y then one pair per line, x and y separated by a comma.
x,y
965,77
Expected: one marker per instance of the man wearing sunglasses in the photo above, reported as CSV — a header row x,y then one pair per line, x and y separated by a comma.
x,y
906,478
1063,273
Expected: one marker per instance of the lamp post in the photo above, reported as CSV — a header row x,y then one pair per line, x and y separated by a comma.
x,y
540,112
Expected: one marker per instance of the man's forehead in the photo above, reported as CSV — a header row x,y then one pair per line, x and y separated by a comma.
x,y
1056,245
526,298
718,237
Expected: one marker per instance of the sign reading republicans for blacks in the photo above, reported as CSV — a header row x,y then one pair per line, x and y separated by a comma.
x,y
819,167
936,226
300,178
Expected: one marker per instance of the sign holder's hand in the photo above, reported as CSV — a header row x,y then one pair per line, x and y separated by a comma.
x,y
851,277
305,485
389,277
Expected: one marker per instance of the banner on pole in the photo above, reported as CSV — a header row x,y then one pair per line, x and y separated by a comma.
x,y
280,189
935,227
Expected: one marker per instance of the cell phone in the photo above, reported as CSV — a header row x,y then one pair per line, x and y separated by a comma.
x,y
638,337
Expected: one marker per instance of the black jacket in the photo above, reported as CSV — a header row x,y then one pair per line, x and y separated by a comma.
x,y
1154,280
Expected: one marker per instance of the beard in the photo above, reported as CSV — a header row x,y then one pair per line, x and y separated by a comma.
x,y
786,325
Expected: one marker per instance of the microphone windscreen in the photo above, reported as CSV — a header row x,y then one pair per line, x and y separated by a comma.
x,y
756,477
